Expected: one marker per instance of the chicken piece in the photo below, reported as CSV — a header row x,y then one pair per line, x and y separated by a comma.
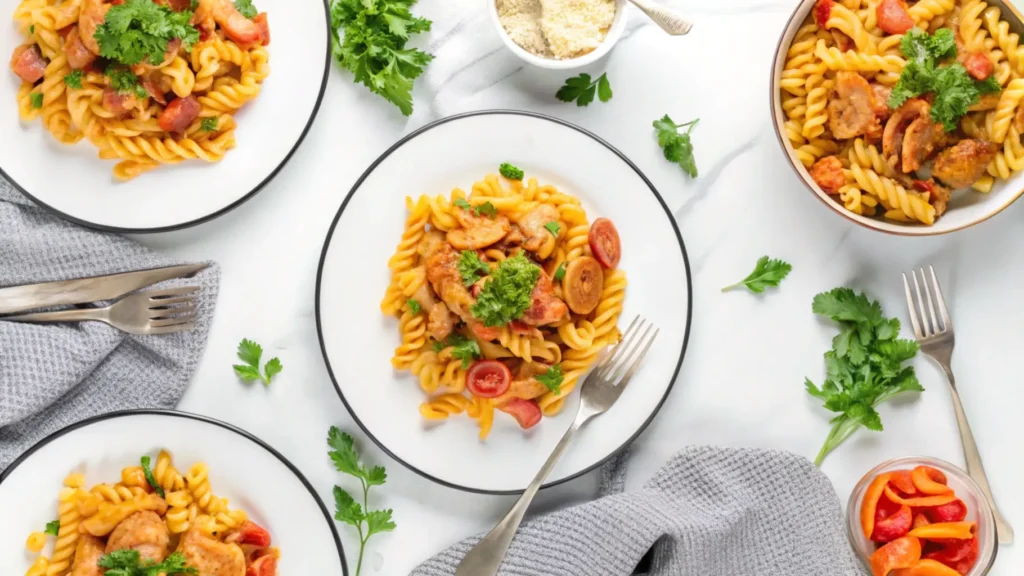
x,y
440,320
28,63
525,384
143,531
1018,120
546,308
828,173
431,240
851,107
923,137
962,164
87,554
92,16
211,557
895,129
881,109
244,32
443,274
477,231
532,225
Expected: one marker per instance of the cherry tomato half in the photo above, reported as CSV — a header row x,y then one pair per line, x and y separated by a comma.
x,y
488,378
263,566
526,412
252,534
604,243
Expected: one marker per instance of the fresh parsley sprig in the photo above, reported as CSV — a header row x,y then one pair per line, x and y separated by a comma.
x,y
414,306
125,81
559,273
140,29
510,171
73,79
582,90
346,508
150,479
250,353
506,295
127,562
246,8
52,528
552,379
678,147
485,209
864,367
37,100
471,267
465,349
208,124
767,273
369,39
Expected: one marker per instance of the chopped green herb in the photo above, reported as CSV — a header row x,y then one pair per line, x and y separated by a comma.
x,y
125,81
52,528
37,99
767,272
32,29
128,562
250,353
487,209
140,29
581,89
414,306
506,295
677,147
245,8
461,203
552,379
209,124
73,79
150,478
511,172
553,227
470,266
559,272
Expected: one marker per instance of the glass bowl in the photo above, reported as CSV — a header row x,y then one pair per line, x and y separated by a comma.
x,y
978,510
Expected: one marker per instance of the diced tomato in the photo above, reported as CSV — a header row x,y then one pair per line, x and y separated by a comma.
x,y
263,566
28,63
250,533
893,17
180,114
979,66
488,378
893,527
604,243
822,12
526,412
923,186
954,511
264,27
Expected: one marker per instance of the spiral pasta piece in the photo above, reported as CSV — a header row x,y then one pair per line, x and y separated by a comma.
x,y
198,481
413,328
1009,42
971,26
867,156
181,512
1010,159
893,196
816,114
577,335
444,407
925,10
834,59
847,22
481,410
854,200
1006,109
39,567
67,534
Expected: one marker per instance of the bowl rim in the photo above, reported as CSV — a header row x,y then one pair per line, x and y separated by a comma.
x,y
985,513
610,39
892,228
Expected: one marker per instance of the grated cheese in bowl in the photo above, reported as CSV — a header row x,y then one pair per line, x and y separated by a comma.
x,y
558,29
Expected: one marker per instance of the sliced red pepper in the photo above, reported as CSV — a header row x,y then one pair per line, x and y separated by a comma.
x,y
893,527
927,568
900,553
964,566
928,480
959,530
903,482
870,503
954,511
954,551
919,520
886,508
922,502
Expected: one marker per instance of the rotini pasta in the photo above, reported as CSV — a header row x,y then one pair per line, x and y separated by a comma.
x,y
476,348
141,114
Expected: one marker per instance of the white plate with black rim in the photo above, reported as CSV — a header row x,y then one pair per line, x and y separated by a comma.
x,y
72,182
358,341
250,474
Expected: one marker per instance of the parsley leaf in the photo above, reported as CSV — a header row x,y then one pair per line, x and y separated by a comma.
x,y
510,171
559,272
346,509
581,90
552,379
32,29
864,367
209,124
52,528
369,39
250,353
461,203
73,79
470,265
127,562
487,209
37,99
506,295
677,147
414,306
245,8
140,29
767,272
553,227
148,472
465,349
125,81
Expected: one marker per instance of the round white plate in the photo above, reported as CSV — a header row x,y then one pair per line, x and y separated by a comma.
x,y
358,341
74,183
252,475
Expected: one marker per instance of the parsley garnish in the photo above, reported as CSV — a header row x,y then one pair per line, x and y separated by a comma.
x,y
553,227
552,379
487,209
127,562
767,272
208,124
150,478
346,509
470,265
582,90
250,353
678,147
73,79
125,81
864,367
245,8
37,99
52,528
375,35
506,295
32,29
559,272
954,89
511,172
465,349
140,29
414,306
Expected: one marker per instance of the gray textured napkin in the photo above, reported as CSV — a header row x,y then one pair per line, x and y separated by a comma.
x,y
57,374
708,511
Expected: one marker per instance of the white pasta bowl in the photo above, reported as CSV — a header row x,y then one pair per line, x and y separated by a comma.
x,y
966,208
614,33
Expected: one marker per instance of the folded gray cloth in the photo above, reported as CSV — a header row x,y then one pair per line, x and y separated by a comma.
x,y
52,375
708,511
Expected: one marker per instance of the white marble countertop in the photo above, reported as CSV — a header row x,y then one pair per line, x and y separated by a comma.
x,y
741,381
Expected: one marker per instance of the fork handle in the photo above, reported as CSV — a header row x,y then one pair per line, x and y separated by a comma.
x,y
975,469
486,557
668,19
73,315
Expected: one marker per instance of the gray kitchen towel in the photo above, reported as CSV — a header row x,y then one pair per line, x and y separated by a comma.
x,y
58,374
708,511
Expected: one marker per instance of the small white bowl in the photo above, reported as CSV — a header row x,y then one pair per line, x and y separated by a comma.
x,y
618,25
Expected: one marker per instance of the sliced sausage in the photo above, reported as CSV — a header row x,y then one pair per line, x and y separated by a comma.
x,y
79,56
923,137
828,173
893,17
962,164
851,107
180,114
896,127
28,63
119,103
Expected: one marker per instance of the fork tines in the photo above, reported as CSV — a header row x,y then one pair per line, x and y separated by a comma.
x,y
172,309
623,360
929,317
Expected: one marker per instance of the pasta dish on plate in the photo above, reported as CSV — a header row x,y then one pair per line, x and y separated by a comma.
x,y
505,297
893,105
148,82
156,520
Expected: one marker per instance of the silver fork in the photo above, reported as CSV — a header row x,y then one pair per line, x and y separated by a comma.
x,y
600,390
150,312
934,330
